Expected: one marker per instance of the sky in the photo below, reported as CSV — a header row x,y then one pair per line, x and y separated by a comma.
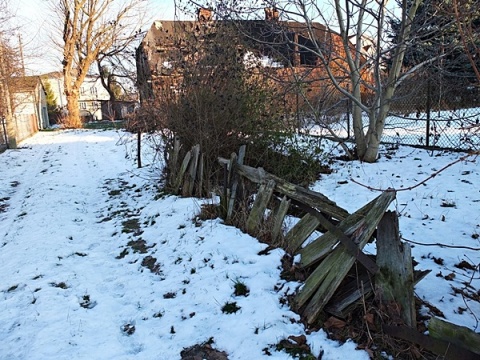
x,y
33,17
95,264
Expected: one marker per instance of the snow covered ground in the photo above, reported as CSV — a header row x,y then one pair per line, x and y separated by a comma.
x,y
95,265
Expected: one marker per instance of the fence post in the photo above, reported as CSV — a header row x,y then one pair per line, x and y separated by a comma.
x,y
428,109
395,282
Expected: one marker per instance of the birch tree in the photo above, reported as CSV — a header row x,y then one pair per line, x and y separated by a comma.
x,y
90,29
361,25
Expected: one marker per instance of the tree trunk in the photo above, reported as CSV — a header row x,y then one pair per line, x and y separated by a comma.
x,y
73,108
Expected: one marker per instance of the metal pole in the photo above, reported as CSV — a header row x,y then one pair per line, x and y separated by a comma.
x,y
428,109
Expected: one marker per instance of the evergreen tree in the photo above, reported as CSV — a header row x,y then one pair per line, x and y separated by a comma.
x,y
52,106
436,41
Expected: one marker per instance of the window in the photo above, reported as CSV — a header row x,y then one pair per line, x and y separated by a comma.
x,y
93,90
83,105
82,91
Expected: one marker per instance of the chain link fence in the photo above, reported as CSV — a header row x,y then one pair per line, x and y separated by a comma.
x,y
424,113
435,114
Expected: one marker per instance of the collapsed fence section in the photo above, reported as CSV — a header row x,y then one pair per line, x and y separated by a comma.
x,y
335,276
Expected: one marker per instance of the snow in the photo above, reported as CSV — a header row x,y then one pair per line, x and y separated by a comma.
x,y
71,286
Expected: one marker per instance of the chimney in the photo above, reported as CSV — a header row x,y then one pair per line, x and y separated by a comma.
x,y
271,14
204,14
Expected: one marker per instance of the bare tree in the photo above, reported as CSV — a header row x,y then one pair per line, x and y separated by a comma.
x,y
467,20
362,49
92,29
8,61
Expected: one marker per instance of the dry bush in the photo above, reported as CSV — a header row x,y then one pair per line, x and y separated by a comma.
x,y
219,103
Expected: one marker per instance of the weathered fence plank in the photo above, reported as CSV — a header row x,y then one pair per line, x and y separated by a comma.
x,y
300,232
173,163
295,192
257,212
190,177
233,179
447,350
201,165
320,247
181,172
278,216
326,278
394,282
455,334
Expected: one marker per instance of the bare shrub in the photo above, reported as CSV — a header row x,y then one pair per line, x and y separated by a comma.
x,y
219,102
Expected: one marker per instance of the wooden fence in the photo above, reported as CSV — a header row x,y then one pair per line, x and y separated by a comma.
x,y
329,258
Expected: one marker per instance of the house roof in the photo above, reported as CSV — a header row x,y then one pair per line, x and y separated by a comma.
x,y
166,32
25,83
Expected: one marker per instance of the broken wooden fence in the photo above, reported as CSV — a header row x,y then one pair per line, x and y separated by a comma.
x,y
332,254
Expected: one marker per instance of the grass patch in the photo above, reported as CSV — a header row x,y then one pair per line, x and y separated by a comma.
x,y
60,285
122,254
151,263
131,226
105,124
230,308
297,347
240,288
138,246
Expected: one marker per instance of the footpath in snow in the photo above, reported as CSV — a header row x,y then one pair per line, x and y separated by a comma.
x,y
94,266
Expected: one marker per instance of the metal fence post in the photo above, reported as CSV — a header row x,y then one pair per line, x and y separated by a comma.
x,y
428,109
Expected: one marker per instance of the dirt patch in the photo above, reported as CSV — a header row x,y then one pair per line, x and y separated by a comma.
x,y
200,352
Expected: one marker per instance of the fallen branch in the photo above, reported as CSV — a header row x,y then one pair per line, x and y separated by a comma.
x,y
442,245
463,158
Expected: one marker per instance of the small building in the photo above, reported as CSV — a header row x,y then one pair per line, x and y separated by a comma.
x,y
29,106
92,94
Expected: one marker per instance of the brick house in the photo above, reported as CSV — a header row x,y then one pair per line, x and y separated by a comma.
x,y
286,44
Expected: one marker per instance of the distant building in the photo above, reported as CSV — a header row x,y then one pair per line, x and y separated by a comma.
x,y
92,95
29,106
94,99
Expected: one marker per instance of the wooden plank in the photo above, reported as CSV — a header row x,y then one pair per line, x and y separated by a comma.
x,y
300,232
454,334
350,246
278,216
350,293
190,177
446,350
394,281
320,247
201,165
345,299
181,172
234,179
259,205
306,196
337,264
173,163
232,183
